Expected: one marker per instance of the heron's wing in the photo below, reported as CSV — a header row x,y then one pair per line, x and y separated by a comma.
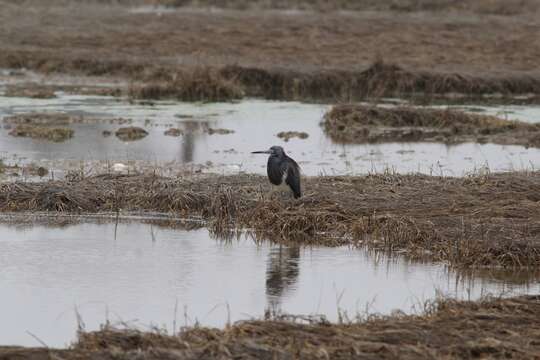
x,y
291,173
276,171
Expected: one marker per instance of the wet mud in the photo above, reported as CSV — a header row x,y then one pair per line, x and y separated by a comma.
x,y
278,54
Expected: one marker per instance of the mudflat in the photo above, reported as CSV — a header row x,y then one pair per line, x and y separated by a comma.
x,y
280,53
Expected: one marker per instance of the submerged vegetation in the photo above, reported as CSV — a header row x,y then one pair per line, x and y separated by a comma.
x,y
131,133
212,131
449,329
484,220
173,132
364,124
287,135
56,134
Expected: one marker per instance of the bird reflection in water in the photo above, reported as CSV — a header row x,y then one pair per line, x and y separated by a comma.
x,y
192,131
282,272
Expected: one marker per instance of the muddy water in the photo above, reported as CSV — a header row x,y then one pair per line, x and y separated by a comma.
x,y
138,277
256,124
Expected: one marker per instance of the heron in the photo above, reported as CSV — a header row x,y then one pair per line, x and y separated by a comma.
x,y
282,169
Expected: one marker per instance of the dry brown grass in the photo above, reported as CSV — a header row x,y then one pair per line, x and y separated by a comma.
x,y
281,55
56,134
131,133
380,79
34,92
287,135
448,329
197,84
487,220
40,91
361,124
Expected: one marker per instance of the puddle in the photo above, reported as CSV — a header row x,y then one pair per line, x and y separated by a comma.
x,y
139,277
255,124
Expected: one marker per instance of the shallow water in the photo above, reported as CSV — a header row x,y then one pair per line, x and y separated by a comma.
x,y
256,123
139,276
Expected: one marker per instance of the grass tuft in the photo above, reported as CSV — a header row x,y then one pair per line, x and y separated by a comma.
x,y
198,84
369,124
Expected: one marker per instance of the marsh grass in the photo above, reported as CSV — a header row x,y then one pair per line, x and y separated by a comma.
x,y
231,82
365,123
445,328
34,91
196,84
55,134
380,79
131,133
476,221
287,135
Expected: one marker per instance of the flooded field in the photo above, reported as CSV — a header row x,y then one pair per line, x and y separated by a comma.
x,y
136,222
254,125
143,275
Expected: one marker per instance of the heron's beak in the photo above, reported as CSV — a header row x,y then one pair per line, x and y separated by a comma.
x,y
262,152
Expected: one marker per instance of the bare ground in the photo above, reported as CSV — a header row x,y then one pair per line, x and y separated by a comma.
x,y
370,124
285,54
483,220
489,328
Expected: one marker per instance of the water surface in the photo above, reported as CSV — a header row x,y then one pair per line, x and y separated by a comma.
x,y
138,273
256,123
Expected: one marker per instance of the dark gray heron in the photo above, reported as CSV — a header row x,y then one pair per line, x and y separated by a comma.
x,y
282,169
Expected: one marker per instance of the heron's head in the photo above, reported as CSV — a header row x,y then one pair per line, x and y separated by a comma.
x,y
273,151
